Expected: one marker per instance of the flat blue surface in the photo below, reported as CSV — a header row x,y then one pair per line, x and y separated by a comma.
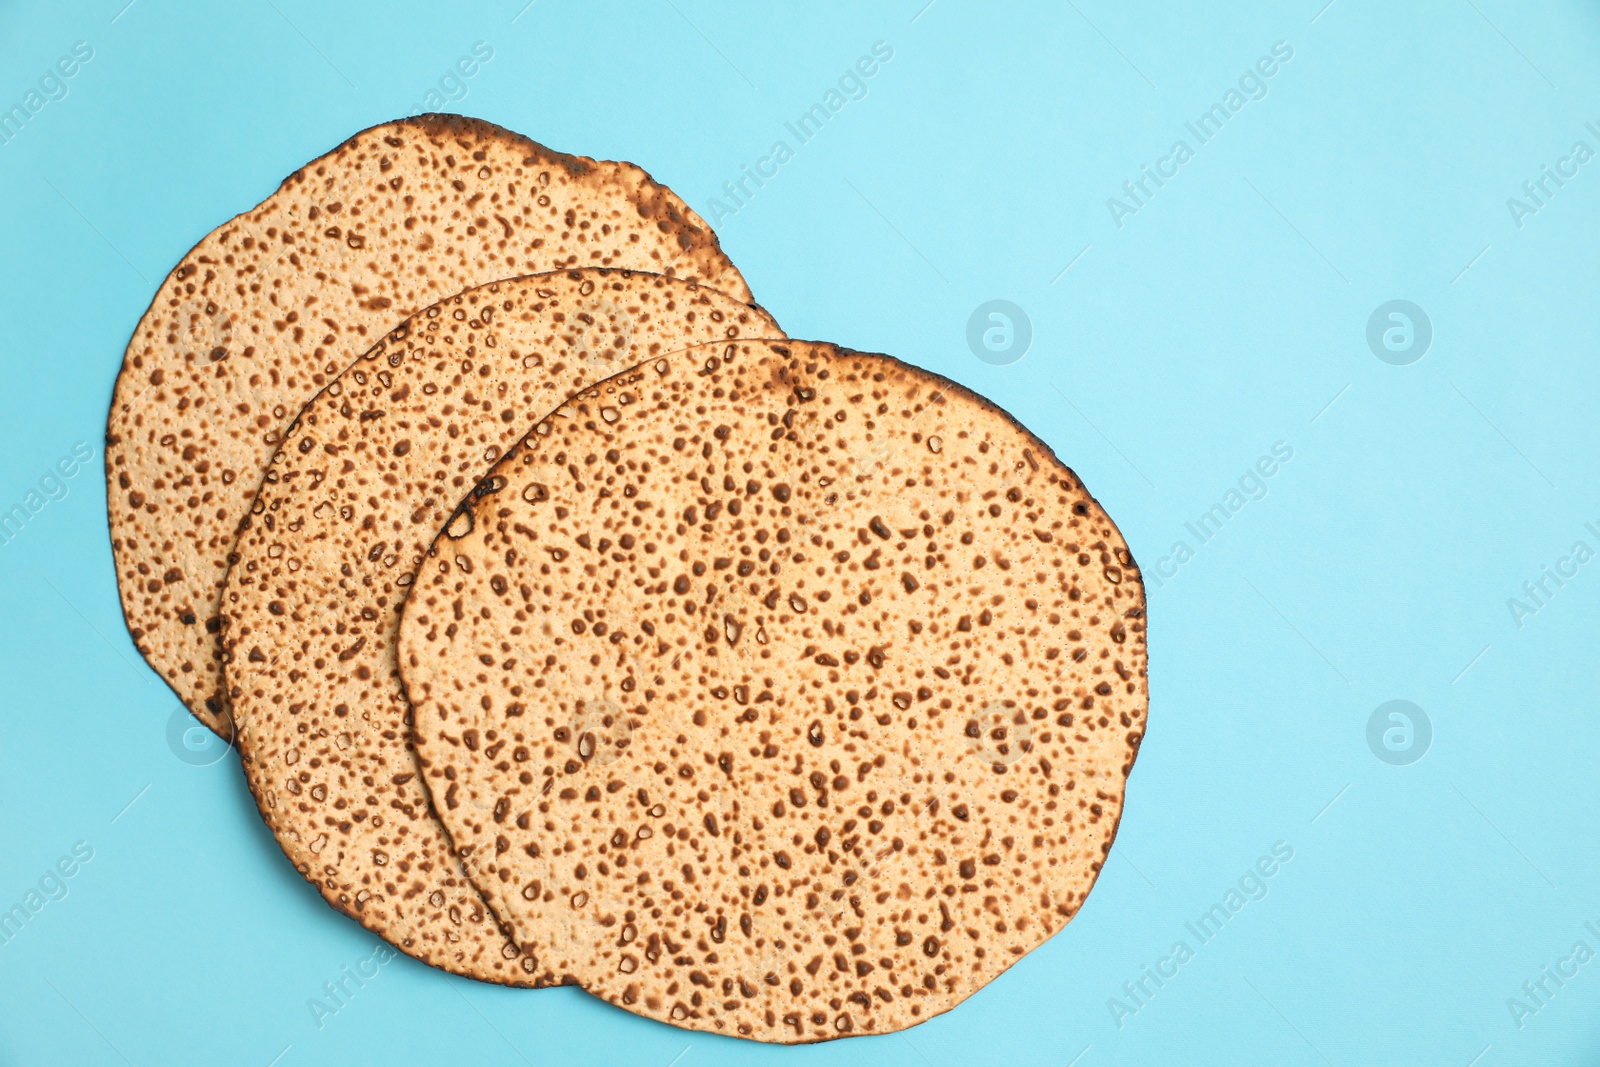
x,y
1179,337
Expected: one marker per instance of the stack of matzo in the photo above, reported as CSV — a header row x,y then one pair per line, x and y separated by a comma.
x,y
575,627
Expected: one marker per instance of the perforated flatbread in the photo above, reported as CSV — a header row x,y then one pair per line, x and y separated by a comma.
x,y
269,307
779,690
363,480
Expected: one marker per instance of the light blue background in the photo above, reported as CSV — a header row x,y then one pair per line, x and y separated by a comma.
x,y
1229,313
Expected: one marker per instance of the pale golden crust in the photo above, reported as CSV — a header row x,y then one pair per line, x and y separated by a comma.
x,y
779,690
353,495
272,305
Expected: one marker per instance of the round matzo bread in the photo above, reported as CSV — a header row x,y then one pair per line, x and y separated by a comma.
x,y
779,690
270,306
360,485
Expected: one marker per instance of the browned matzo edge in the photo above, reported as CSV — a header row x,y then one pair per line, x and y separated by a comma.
x,y
615,740
215,370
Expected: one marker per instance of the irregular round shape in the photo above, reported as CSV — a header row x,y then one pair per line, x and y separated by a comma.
x,y
268,308
779,690
353,496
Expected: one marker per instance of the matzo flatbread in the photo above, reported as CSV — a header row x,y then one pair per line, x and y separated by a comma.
x,y
269,307
354,494
779,690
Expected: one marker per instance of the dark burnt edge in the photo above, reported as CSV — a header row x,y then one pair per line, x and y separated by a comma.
x,y
448,124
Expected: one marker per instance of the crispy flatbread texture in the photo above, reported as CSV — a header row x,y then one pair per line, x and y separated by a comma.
x,y
779,690
269,307
356,491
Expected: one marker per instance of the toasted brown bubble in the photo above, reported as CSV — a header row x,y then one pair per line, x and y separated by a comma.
x,y
369,473
271,306
881,695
